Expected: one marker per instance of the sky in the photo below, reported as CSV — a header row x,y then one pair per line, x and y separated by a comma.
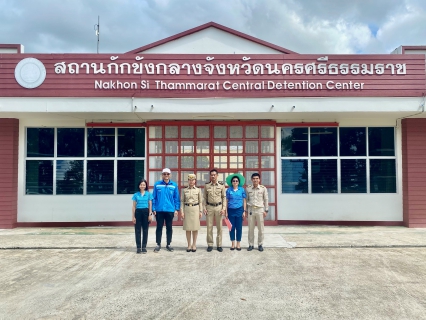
x,y
303,26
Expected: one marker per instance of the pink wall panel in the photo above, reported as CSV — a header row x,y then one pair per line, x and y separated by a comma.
x,y
414,172
9,134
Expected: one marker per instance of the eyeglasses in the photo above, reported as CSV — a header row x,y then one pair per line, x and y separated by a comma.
x,y
235,181
166,174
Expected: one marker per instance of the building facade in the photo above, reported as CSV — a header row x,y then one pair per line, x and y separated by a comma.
x,y
337,139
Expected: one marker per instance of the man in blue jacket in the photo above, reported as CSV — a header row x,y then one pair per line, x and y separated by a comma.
x,y
165,206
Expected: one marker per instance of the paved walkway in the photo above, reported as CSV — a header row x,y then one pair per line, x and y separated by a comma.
x,y
275,237
304,273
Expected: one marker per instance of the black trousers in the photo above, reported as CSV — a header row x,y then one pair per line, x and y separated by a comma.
x,y
141,216
162,216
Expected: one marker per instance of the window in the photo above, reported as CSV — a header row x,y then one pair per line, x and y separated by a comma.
x,y
39,177
323,142
40,142
352,142
294,176
381,142
382,176
101,142
294,142
353,175
100,177
84,161
129,172
131,142
69,176
324,175
70,142
338,160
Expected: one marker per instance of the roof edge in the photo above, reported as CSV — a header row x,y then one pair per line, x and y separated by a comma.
x,y
217,26
412,48
18,47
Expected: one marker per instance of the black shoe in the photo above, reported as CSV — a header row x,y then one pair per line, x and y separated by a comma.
x,y
260,248
219,249
188,250
157,248
138,250
250,248
144,250
209,249
169,248
232,248
239,249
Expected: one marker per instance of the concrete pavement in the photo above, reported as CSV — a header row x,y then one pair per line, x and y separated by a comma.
x,y
275,237
316,272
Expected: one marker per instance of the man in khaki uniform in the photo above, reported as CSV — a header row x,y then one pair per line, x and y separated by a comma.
x,y
214,201
257,203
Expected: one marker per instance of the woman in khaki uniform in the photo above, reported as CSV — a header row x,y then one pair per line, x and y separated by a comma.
x,y
191,208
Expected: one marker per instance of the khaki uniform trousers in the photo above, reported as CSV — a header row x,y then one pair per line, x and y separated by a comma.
x,y
213,213
255,216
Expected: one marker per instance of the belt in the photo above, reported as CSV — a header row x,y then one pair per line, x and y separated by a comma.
x,y
214,204
191,204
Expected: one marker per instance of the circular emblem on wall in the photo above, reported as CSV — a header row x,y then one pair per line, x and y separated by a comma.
x,y
30,73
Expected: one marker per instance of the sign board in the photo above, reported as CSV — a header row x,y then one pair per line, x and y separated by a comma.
x,y
211,76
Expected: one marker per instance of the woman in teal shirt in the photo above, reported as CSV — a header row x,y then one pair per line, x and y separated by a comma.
x,y
236,207
142,214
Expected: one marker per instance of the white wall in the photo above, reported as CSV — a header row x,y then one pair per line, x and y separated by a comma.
x,y
4,49
77,111
8,50
212,41
410,51
306,109
73,208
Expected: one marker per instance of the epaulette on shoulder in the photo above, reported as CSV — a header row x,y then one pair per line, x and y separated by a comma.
x,y
261,186
249,186
220,182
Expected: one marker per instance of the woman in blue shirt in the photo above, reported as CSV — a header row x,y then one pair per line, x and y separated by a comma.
x,y
236,207
142,214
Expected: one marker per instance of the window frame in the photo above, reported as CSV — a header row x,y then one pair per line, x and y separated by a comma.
x,y
85,158
339,157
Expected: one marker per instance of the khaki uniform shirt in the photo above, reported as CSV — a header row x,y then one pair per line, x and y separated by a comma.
x,y
257,197
215,193
191,196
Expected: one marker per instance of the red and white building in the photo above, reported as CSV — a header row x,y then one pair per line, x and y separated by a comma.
x,y
337,139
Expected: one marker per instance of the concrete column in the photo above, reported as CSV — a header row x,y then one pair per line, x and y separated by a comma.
x,y
9,140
